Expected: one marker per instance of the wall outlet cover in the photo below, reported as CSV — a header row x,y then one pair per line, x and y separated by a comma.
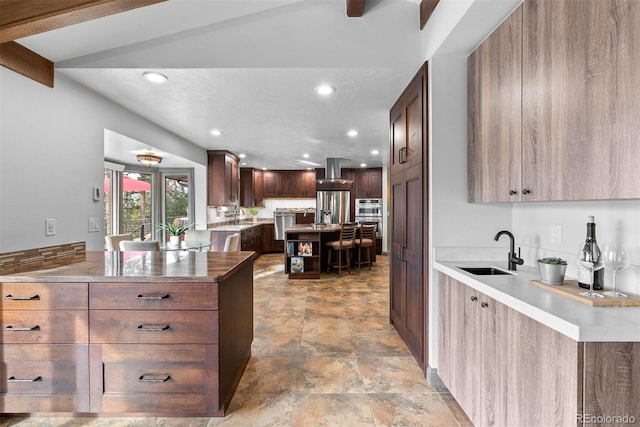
x,y
94,225
556,234
49,227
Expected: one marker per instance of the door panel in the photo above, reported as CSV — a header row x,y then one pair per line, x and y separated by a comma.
x,y
398,271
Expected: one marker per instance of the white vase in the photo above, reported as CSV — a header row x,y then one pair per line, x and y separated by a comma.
x,y
174,241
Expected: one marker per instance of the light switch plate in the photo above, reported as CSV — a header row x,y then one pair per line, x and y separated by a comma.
x,y
94,225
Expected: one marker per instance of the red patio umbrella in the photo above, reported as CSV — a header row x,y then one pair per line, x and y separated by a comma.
x,y
129,184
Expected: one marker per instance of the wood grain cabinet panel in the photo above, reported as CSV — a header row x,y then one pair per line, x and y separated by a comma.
x,y
34,296
409,193
251,187
153,296
153,327
580,99
223,178
494,114
44,378
368,183
44,326
506,369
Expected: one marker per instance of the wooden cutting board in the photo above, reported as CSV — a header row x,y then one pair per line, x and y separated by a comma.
x,y
570,289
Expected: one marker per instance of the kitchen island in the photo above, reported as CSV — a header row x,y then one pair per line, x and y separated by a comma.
x,y
135,333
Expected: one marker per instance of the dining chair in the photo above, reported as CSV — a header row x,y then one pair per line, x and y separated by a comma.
x,y
341,247
113,240
198,238
232,243
366,241
131,245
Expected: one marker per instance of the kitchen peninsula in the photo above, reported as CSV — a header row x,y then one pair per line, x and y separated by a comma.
x,y
136,333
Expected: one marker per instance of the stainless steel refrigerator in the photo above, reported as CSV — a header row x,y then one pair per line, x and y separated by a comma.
x,y
332,207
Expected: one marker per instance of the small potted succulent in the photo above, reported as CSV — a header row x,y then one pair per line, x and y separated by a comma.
x,y
175,230
552,270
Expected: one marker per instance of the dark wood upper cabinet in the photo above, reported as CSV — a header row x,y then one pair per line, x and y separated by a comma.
x,y
284,184
287,184
271,184
309,179
368,183
251,187
223,183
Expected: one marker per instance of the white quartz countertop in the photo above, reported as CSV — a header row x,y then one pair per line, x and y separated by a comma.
x,y
574,319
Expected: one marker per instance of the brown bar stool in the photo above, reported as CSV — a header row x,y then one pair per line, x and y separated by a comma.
x,y
343,245
366,242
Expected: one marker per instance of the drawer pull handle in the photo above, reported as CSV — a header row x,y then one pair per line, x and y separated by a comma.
x,y
19,298
142,379
12,329
23,380
474,298
484,304
152,297
153,328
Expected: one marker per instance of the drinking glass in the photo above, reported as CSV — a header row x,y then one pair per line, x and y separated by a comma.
x,y
589,257
615,258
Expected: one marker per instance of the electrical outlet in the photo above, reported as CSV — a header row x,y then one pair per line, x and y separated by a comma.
x,y
49,227
94,225
556,234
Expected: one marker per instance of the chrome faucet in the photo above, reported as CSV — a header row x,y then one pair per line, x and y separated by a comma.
x,y
512,258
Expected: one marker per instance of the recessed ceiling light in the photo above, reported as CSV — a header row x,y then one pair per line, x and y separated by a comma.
x,y
325,90
375,152
152,76
216,132
363,165
243,164
352,133
309,169
305,155
264,169
242,155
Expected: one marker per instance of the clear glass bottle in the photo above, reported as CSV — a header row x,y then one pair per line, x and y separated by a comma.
x,y
591,245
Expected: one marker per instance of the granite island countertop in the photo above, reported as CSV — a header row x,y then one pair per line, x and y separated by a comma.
x,y
240,227
576,320
142,266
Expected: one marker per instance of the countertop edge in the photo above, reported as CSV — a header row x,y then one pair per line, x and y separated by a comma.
x,y
576,319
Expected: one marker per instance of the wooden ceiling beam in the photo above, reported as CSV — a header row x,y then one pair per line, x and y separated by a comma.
x,y
426,9
355,8
22,18
26,62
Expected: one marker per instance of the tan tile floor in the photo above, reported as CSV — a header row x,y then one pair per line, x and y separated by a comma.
x,y
324,354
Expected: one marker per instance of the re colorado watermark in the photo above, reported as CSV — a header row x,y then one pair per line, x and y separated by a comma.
x,y
605,419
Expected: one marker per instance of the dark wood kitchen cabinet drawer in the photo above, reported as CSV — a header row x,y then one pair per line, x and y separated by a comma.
x,y
43,295
147,378
44,326
153,327
153,296
44,378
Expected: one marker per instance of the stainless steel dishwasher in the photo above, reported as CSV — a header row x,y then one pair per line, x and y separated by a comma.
x,y
282,221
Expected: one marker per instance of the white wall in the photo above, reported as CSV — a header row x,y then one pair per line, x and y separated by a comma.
x,y
51,155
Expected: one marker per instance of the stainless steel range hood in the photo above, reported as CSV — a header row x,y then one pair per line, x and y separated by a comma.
x,y
332,180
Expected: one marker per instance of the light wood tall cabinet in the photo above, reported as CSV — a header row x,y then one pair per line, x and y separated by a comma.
x,y
553,105
408,198
506,369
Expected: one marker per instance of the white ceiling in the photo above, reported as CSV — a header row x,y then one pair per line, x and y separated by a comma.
x,y
249,68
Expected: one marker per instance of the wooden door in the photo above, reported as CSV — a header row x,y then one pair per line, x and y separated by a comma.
x,y
580,99
398,137
414,111
375,183
398,292
271,184
494,115
415,321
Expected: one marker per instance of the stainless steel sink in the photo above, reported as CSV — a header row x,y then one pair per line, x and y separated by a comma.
x,y
485,271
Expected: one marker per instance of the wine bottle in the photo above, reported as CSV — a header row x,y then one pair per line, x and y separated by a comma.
x,y
584,275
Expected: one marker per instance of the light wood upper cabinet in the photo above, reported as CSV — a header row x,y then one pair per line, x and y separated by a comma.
x,y
494,101
580,99
553,104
